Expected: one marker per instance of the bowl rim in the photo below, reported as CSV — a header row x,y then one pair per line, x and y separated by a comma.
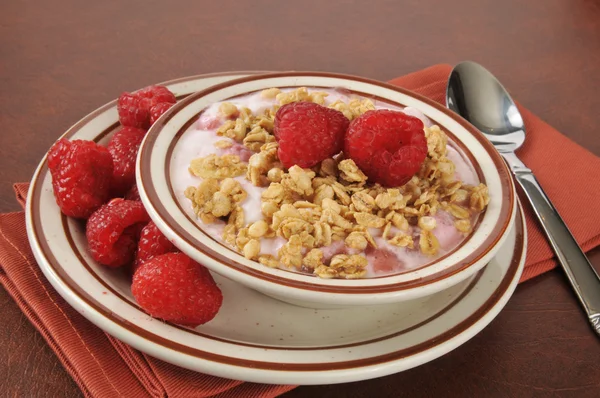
x,y
221,260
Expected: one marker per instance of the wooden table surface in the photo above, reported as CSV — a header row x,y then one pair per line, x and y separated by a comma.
x,y
60,60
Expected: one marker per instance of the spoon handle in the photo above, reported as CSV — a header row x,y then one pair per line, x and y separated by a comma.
x,y
580,272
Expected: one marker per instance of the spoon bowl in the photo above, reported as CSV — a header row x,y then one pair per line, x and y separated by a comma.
x,y
475,94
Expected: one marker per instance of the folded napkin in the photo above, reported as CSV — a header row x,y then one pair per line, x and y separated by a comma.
x,y
102,366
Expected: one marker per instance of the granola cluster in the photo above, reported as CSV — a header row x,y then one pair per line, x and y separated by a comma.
x,y
333,202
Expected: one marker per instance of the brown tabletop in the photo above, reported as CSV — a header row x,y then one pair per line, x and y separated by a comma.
x,y
60,60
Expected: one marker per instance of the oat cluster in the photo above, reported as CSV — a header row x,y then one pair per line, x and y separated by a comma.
x,y
332,202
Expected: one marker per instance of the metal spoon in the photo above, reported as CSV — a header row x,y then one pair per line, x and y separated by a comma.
x,y
475,94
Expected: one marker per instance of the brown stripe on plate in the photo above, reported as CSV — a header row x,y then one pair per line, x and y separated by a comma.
x,y
491,240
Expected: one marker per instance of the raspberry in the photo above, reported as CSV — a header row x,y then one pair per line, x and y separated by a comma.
x,y
112,231
157,95
152,243
175,288
123,147
135,108
81,176
308,133
133,111
388,146
157,110
133,194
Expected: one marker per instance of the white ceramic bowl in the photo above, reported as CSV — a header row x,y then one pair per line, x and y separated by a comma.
x,y
154,173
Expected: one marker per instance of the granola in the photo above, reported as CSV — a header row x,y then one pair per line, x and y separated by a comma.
x,y
332,205
218,167
213,199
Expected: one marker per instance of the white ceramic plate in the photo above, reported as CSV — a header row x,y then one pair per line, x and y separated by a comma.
x,y
254,337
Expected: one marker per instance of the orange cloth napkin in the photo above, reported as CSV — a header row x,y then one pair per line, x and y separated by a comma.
x,y
104,367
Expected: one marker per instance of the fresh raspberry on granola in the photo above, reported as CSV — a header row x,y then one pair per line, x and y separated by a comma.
x,y
135,109
113,230
152,243
123,147
81,176
177,289
308,133
388,146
